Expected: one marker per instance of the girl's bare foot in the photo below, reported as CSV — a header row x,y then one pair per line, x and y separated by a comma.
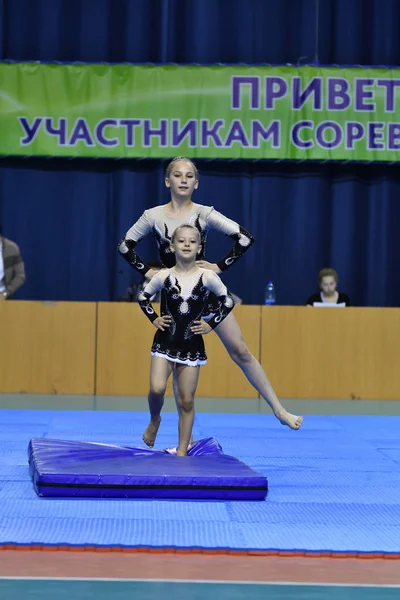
x,y
150,433
290,420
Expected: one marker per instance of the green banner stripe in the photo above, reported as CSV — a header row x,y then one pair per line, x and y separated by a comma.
x,y
232,112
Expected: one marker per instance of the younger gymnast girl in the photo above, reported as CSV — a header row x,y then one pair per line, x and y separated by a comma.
x,y
178,344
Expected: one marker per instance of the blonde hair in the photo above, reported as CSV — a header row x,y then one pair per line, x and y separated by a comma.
x,y
185,226
170,166
327,272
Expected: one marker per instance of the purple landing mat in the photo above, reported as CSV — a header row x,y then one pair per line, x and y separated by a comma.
x,y
63,468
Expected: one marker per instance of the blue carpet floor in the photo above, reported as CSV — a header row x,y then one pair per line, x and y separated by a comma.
x,y
333,486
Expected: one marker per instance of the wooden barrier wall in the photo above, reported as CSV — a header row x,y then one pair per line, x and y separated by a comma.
x,y
87,348
47,348
332,353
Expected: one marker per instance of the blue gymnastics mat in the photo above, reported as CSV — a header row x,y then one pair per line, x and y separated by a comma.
x,y
334,486
65,469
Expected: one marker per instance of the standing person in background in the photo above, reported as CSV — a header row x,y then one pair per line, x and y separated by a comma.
x,y
12,269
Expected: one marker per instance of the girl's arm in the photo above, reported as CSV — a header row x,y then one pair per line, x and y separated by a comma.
x,y
151,288
226,303
243,239
127,245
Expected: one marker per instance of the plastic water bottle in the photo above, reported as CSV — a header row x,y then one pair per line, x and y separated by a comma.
x,y
270,297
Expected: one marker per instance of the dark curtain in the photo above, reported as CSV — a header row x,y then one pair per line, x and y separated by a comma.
x,y
203,31
68,216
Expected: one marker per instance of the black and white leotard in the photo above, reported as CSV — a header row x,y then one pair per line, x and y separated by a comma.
x,y
156,221
185,299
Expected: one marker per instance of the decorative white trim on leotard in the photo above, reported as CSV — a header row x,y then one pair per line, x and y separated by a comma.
x,y
189,363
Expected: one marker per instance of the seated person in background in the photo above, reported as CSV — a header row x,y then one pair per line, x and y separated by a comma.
x,y
12,269
328,280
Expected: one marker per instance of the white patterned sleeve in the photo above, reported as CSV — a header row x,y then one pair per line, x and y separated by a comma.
x,y
150,289
225,300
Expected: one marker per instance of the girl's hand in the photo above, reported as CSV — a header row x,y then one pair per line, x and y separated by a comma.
x,y
203,264
162,323
200,328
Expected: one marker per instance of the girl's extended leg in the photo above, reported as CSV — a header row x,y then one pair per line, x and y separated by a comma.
x,y
160,370
187,379
231,336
